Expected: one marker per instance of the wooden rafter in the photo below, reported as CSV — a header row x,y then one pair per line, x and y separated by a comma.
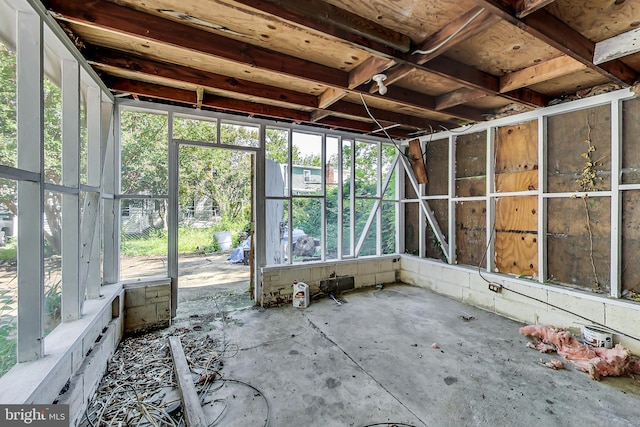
x,y
336,22
544,71
117,18
525,7
552,31
112,58
617,47
457,97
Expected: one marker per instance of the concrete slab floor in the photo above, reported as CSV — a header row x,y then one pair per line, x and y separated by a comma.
x,y
371,361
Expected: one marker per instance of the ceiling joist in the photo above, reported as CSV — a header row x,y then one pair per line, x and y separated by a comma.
x,y
548,70
617,47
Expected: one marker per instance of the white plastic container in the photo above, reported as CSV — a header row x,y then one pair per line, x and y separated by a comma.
x,y
597,337
300,295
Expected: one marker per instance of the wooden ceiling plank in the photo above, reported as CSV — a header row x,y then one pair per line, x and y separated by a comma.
x,y
138,64
108,15
394,75
340,23
186,96
547,28
617,47
457,97
358,110
329,96
466,26
525,7
366,70
542,72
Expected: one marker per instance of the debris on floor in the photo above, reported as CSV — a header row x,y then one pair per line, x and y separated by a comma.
x,y
552,364
598,362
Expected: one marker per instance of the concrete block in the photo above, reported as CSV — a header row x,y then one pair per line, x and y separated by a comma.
x,y
317,273
476,298
386,277
134,297
558,318
588,308
409,277
521,312
364,280
625,318
410,263
77,357
537,293
388,264
349,268
368,266
427,269
164,312
448,289
456,277
138,317
164,290
151,291
159,300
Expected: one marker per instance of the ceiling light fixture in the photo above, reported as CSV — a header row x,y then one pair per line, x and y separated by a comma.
x,y
379,78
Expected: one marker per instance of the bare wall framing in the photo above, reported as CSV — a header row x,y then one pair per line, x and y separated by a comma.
x,y
551,195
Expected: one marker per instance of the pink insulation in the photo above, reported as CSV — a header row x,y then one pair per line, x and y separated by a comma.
x,y
597,361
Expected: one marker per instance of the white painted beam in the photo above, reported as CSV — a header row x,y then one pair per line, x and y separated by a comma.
x,y
624,44
95,164
71,296
30,98
616,201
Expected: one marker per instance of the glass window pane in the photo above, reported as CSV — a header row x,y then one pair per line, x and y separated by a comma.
x,y
366,169
52,260
331,197
8,123
245,136
192,129
277,231
388,155
363,209
347,170
307,230
389,220
306,170
8,274
52,132
144,153
277,154
143,238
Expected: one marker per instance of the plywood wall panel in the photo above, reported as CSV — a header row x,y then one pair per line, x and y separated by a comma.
x,y
470,232
440,210
516,253
437,163
517,147
517,181
517,214
568,134
471,187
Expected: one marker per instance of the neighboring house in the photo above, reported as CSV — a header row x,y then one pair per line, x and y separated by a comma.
x,y
7,226
308,179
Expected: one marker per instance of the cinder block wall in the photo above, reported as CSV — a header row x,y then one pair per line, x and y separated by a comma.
x,y
147,306
277,281
466,285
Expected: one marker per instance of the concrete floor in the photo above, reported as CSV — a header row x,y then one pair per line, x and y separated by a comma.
x,y
370,361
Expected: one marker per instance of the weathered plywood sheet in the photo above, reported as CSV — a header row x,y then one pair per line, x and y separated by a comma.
x,y
598,20
470,232
517,181
471,187
571,83
502,48
440,210
252,26
169,53
471,155
427,83
437,162
409,17
517,214
490,103
517,148
576,245
567,135
516,253
630,240
412,228
388,104
631,141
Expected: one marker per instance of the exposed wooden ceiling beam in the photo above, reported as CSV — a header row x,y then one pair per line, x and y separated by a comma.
x,y
112,58
544,71
457,97
166,93
340,23
617,47
370,67
525,7
557,34
125,20
330,96
358,110
286,8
